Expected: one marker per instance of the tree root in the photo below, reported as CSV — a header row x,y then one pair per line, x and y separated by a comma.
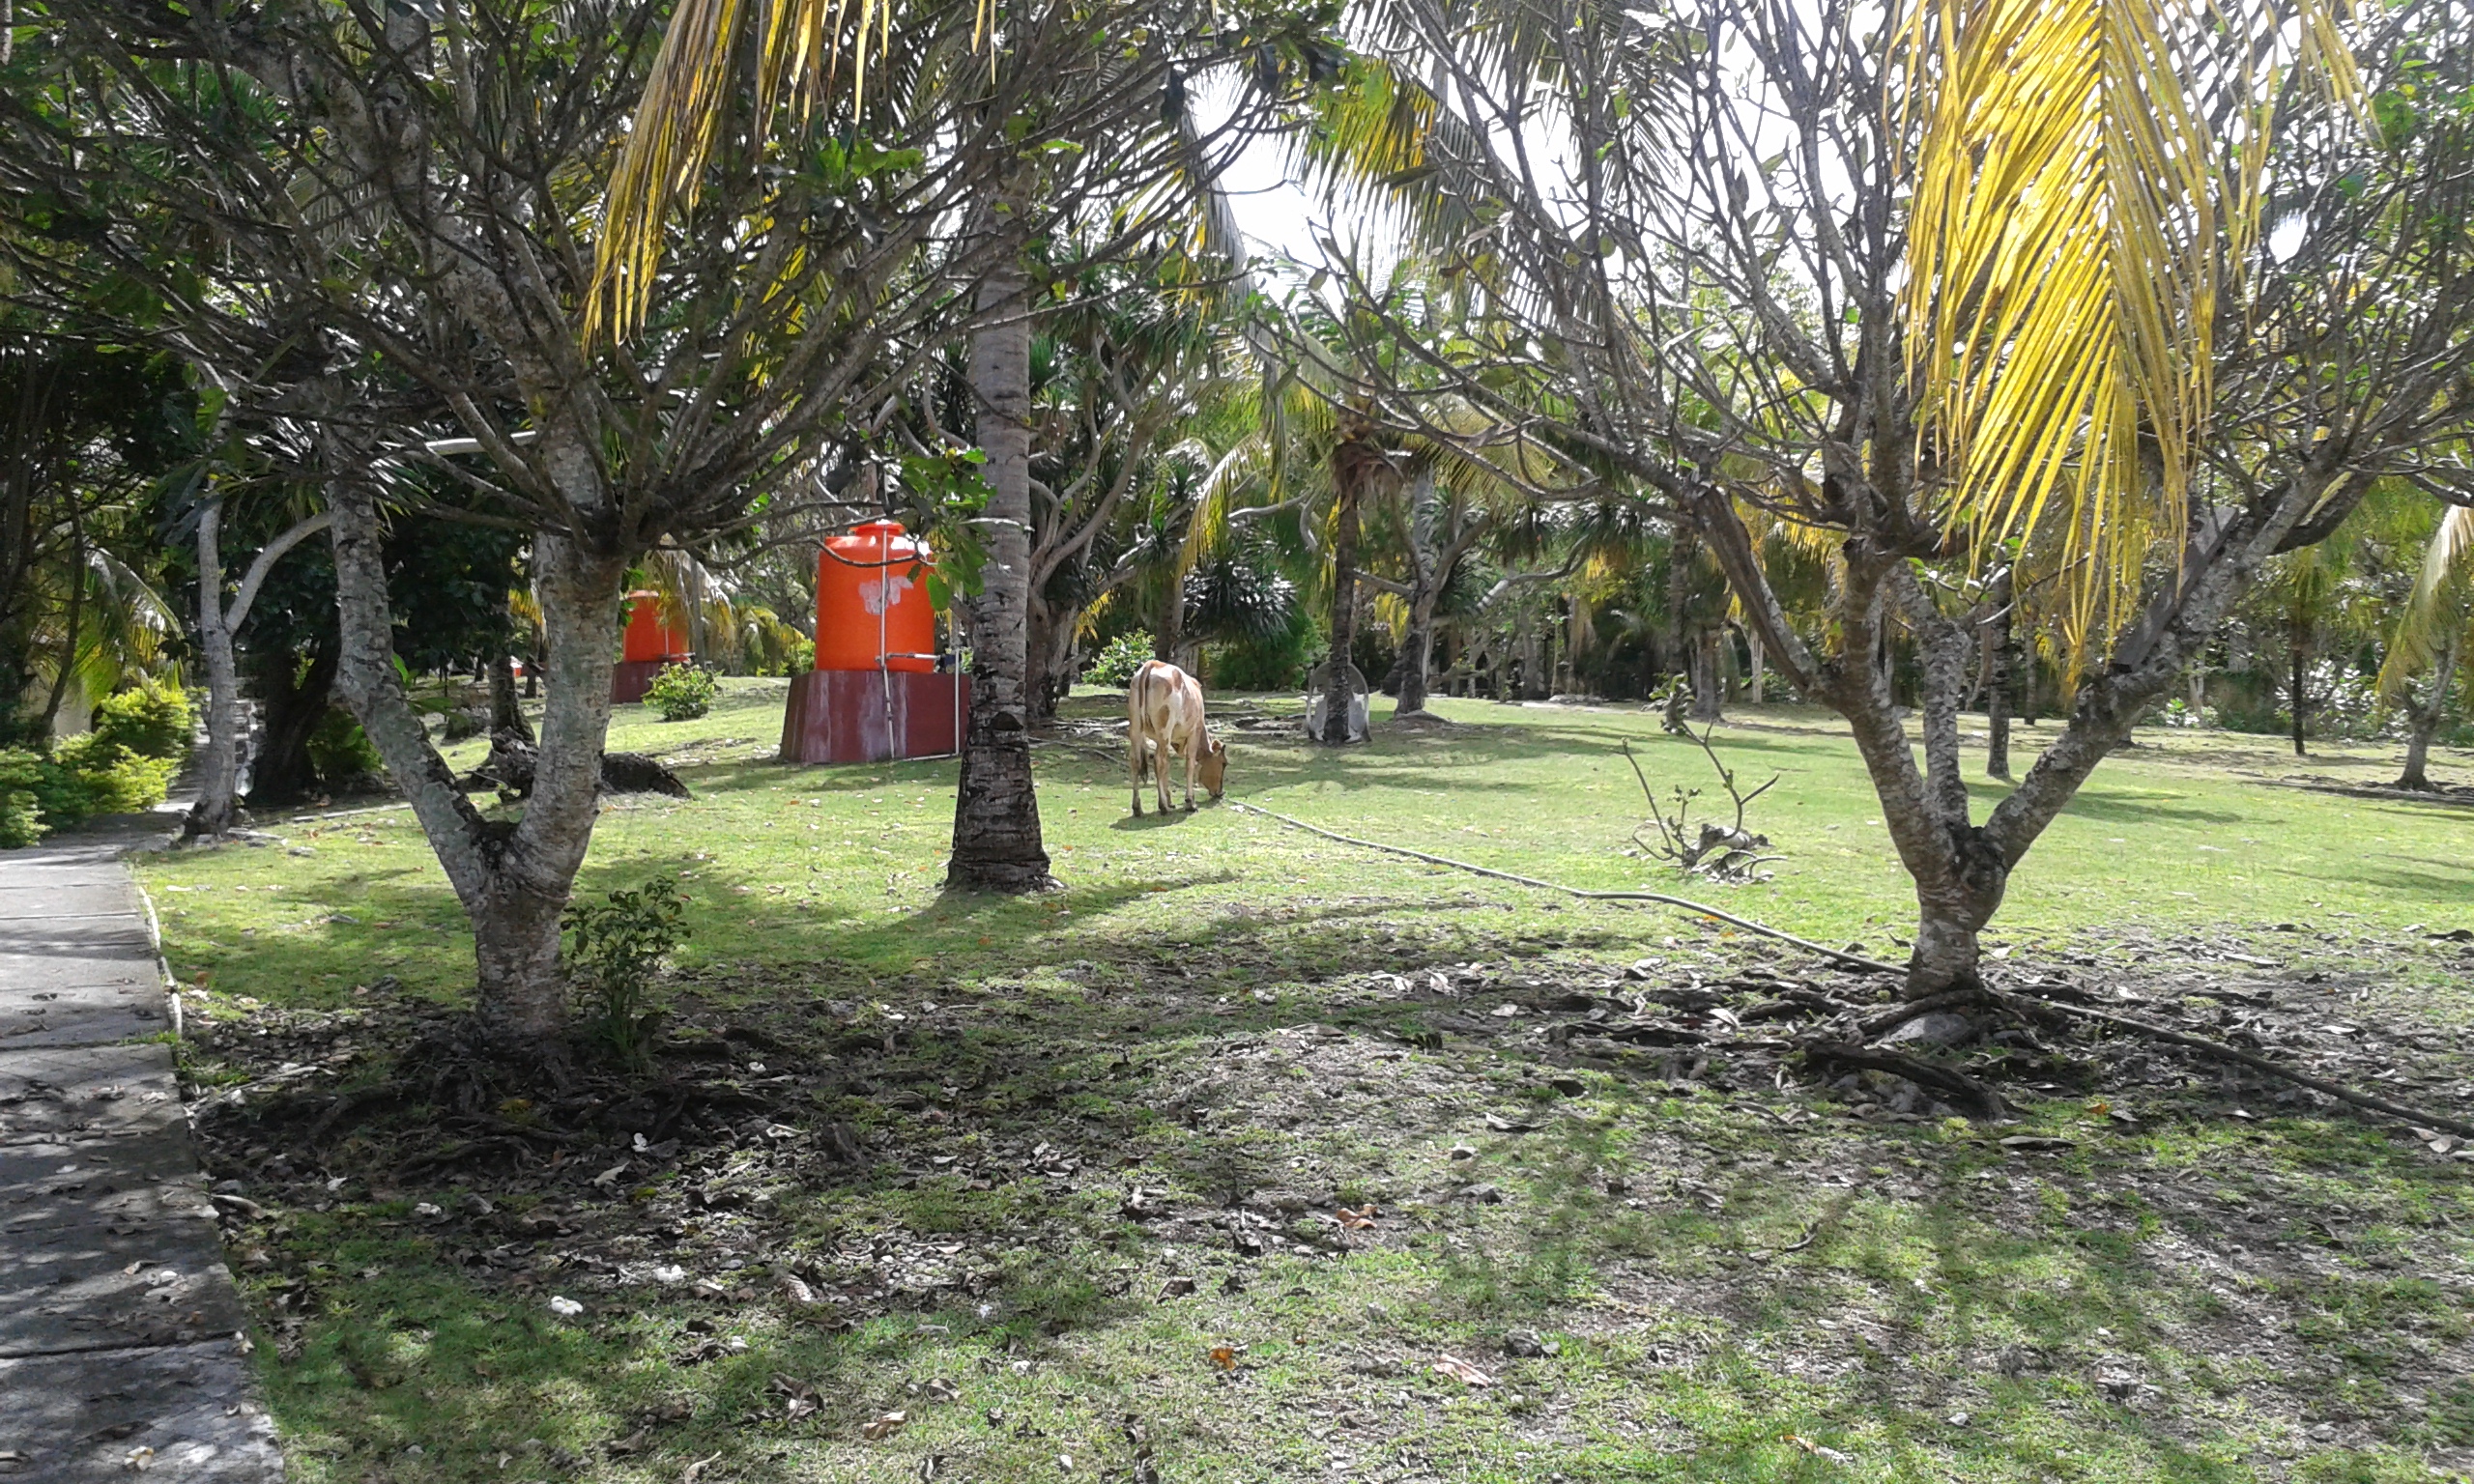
x,y
1923,1073
1876,1024
502,1144
2057,1011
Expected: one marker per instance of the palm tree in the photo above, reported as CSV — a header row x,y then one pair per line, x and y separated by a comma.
x,y
2434,638
802,54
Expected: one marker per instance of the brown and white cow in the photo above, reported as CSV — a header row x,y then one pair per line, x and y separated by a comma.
x,y
1163,715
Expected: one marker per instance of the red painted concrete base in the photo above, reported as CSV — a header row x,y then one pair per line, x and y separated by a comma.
x,y
842,715
629,679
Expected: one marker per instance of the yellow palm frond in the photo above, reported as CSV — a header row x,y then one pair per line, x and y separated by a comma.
x,y
2074,210
1392,611
799,47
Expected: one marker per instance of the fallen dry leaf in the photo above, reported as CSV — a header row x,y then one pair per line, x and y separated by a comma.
x,y
1816,1449
1223,1356
1462,1371
883,1425
1358,1221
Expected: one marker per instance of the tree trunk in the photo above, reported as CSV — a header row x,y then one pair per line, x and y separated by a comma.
x,y
1049,649
291,704
1756,690
1417,655
219,792
506,709
76,614
1171,632
2300,648
1429,572
1999,682
996,812
513,881
1709,685
1339,696
2425,720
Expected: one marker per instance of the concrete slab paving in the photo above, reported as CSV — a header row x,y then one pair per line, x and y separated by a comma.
x,y
184,1412
28,974
105,896
59,1014
64,1089
70,1288
117,1319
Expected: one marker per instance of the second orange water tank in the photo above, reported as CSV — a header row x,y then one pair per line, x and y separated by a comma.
x,y
648,638
873,584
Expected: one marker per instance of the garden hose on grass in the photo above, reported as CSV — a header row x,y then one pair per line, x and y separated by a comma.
x,y
1841,955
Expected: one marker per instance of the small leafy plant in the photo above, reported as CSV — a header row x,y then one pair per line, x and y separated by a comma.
x,y
1726,853
615,947
339,750
683,693
1116,664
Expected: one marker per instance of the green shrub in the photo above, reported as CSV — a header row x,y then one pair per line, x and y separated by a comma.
x,y
1275,662
1116,664
339,750
112,777
85,775
20,808
799,657
681,693
616,945
151,720
65,795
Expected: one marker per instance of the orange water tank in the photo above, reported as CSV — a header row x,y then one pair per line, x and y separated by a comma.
x,y
648,638
871,599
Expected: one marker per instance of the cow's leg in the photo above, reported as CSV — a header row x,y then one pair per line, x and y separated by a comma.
x,y
1159,772
1133,742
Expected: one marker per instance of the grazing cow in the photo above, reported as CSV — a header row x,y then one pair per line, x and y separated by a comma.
x,y
1163,715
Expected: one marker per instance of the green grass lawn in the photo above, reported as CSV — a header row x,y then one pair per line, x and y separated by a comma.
x,y
1726,1277
840,869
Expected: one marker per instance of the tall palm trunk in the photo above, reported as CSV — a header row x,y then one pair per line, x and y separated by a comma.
x,y
1353,465
1998,683
1427,576
2426,719
2300,648
997,812
506,709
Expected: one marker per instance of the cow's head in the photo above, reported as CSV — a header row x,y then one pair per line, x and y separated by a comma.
x,y
1215,766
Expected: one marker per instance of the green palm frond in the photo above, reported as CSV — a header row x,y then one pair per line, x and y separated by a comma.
x,y
2443,598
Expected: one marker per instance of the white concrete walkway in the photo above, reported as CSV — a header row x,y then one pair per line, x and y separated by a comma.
x,y
117,1319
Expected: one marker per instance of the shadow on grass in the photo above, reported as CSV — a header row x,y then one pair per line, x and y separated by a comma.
x,y
1086,1041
